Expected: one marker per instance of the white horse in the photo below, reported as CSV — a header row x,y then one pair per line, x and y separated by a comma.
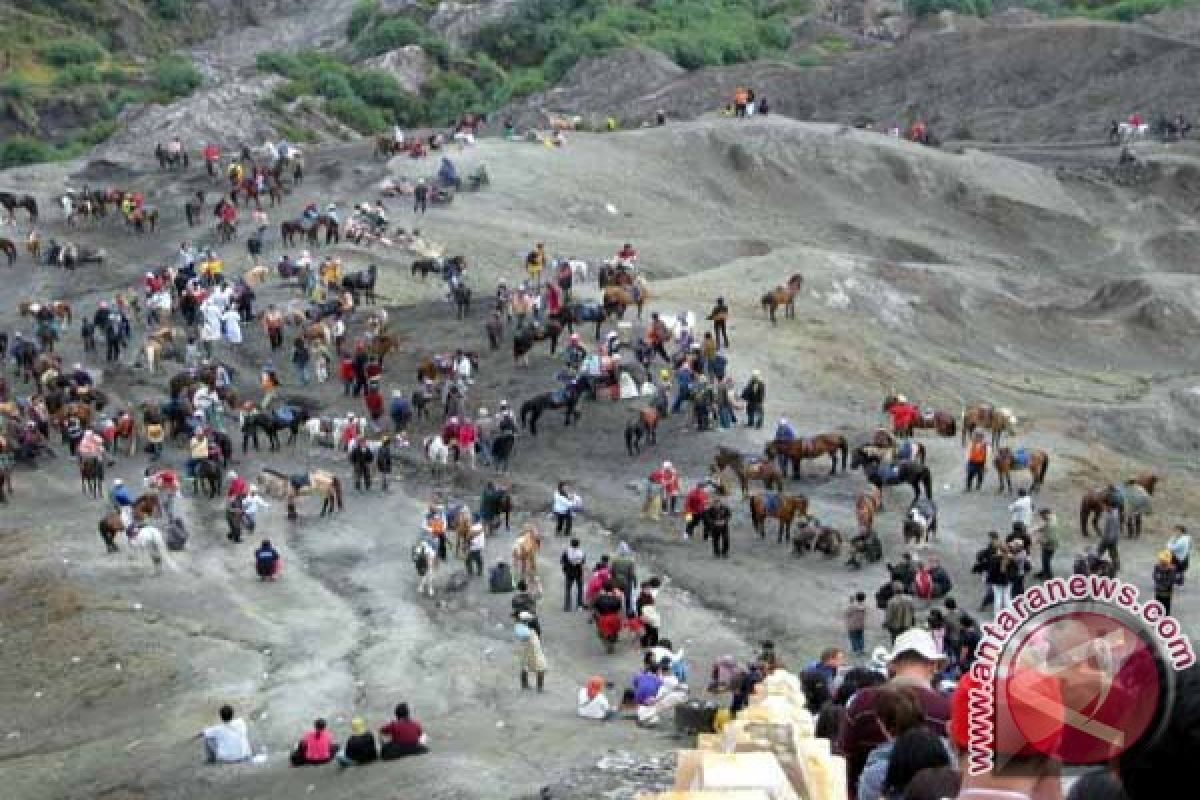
x,y
148,540
437,452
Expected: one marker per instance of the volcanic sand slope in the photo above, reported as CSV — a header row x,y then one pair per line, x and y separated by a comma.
x,y
953,279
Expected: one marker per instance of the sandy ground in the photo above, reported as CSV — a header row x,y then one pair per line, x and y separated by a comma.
x,y
952,278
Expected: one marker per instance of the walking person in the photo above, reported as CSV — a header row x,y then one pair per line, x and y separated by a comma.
x,y
855,615
1180,545
252,504
361,458
1164,580
420,196
754,395
720,317
573,561
623,573
900,613
301,358
1110,534
1048,540
1022,512
976,462
718,528
1001,575
530,656
383,461
565,504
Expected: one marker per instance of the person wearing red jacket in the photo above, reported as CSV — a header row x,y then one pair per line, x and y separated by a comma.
x,y
374,402
237,486
212,154
668,479
467,434
694,506
346,373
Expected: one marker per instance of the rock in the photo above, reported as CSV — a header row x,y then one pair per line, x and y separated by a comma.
x,y
409,65
458,22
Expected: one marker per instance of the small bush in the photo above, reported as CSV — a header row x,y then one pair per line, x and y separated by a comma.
x,y
168,9
61,52
451,96
97,133
296,133
77,75
355,113
15,87
388,35
360,17
333,85
176,76
279,62
527,81
20,150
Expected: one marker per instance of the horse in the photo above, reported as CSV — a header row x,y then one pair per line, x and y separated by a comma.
x,y
461,525
910,472
797,450
147,505
12,202
527,335
169,160
325,484
149,540
140,218
437,452
290,229
158,344
998,421
255,421
386,146
783,296
1006,463
749,469
525,551
108,527
207,475
920,524
642,426
9,249
363,281
783,507
438,266
566,398
91,476
7,458
1092,504
618,298
943,422
815,537
866,505
61,310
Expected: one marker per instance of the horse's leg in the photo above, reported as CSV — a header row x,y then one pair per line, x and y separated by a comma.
x,y
833,457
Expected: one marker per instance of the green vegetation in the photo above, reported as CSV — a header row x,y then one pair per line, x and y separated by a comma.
x,y
1111,10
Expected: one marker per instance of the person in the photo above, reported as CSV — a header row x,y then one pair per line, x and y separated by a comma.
x,y
420,197
667,480
530,655
1022,512
565,503
360,746
900,613
754,395
122,501
648,682
597,582
252,504
648,613
475,549
361,458
523,600
976,462
1164,580
939,576
855,616
898,713
572,561
592,703
1156,771
228,742
315,748
720,317
1001,574
623,573
832,659
1110,533
718,528
403,736
1048,538
694,505
534,263
1180,545
912,663
266,560
608,605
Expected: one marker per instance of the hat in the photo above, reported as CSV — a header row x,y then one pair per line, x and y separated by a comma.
x,y
397,393
665,374
232,475
756,374
358,726
118,482
668,465
1164,556
525,616
915,640
483,412
331,207
611,335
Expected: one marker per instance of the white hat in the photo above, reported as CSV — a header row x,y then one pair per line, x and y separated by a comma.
x,y
118,482
232,475
504,404
668,465
525,616
483,412
756,374
916,640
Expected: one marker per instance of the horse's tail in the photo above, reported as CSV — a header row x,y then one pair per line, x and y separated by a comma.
x,y
336,484
1041,473
525,410
1084,510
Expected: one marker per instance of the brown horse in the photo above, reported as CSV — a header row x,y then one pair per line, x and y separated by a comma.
x,y
813,536
783,507
1092,505
386,146
642,426
998,421
749,470
1005,462
125,427
783,296
618,298
461,525
525,557
147,505
9,249
942,422
797,450
866,506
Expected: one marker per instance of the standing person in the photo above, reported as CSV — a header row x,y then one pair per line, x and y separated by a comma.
x,y
373,402
361,458
112,337
301,359
754,395
535,262
900,614
360,746
273,324
1001,574
1110,534
623,572
573,561
719,528
565,503
694,506
252,504
1048,540
720,317
404,736
1164,580
383,460
855,615
475,549
425,556
1180,545
228,742
1022,512
953,629
667,479
647,612
530,656
976,461
420,197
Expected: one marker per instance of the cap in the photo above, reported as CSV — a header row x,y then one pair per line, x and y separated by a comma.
x,y
118,482
668,465
916,640
504,404
756,374
525,616
232,475
1164,556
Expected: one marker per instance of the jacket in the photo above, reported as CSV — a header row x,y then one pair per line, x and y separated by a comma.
x,y
977,454
900,614
1164,579
755,393
1111,533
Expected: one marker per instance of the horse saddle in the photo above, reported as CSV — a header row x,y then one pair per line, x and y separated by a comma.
x,y
299,481
284,415
906,451
771,503
891,472
1021,457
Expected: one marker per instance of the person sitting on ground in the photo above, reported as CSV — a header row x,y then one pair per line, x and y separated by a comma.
x,y
404,736
360,746
317,747
266,561
647,682
592,703
228,742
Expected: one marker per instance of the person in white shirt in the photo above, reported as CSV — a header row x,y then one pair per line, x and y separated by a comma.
x,y
210,331
566,503
231,325
251,505
475,549
228,742
593,704
1180,546
462,366
1022,512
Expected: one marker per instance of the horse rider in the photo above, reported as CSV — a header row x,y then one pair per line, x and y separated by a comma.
x,y
720,316
627,256
434,528
575,353
122,501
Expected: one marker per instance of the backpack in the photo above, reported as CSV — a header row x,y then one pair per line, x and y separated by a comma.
x,y
923,585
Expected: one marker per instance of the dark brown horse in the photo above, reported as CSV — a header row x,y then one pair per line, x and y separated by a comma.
x,y
797,450
1092,505
618,298
12,202
942,422
1035,461
291,228
527,335
997,421
9,249
146,506
783,296
748,469
782,507
642,426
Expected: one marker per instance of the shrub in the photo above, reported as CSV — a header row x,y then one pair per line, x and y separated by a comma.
x,y
17,151
451,96
168,9
279,62
360,17
333,85
15,87
61,52
176,76
296,133
77,75
388,35
355,113
526,81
